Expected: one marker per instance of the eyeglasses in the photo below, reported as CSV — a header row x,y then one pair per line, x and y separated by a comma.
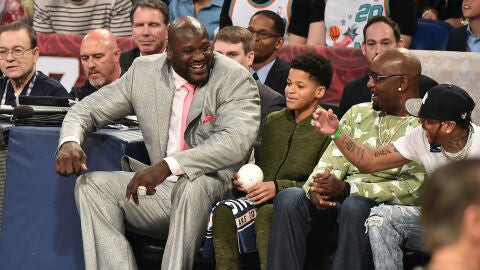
x,y
16,52
378,78
263,34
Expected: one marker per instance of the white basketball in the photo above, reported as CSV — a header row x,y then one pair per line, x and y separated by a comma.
x,y
250,175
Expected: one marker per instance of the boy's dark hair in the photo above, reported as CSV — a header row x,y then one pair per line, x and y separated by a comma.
x,y
319,68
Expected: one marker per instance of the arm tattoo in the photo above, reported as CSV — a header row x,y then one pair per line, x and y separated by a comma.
x,y
385,151
382,152
358,151
349,144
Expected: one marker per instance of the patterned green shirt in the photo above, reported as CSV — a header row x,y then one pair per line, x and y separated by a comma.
x,y
395,186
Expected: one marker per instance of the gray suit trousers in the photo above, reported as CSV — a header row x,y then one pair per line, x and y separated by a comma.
x,y
178,211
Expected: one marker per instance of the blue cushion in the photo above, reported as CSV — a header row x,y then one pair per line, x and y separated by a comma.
x,y
431,35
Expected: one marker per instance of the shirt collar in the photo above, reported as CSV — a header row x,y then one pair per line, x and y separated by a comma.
x,y
263,72
470,34
178,81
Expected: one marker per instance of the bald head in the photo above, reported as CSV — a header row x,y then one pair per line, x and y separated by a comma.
x,y
395,75
100,57
402,60
100,36
185,23
189,50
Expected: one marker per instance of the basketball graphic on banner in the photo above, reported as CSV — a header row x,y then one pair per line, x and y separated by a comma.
x,y
334,32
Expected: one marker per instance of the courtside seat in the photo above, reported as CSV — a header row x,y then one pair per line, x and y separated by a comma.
x,y
148,253
431,35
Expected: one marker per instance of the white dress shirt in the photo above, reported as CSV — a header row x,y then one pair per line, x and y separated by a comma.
x,y
175,128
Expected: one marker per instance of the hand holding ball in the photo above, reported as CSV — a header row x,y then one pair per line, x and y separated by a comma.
x,y
250,175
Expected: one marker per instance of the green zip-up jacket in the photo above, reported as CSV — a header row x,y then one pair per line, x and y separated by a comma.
x,y
289,150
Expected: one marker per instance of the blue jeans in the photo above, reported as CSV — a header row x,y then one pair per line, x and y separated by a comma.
x,y
353,250
294,215
391,228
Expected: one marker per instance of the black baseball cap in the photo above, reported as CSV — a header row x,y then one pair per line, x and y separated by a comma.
x,y
442,102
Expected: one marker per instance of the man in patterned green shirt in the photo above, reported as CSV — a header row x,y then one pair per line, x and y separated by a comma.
x,y
336,191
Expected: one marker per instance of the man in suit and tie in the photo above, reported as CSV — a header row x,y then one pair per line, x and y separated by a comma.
x,y
194,149
238,43
268,29
149,30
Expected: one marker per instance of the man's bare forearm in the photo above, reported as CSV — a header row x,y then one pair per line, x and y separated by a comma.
x,y
369,160
355,152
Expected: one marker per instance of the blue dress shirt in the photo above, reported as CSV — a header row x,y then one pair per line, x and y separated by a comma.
x,y
209,15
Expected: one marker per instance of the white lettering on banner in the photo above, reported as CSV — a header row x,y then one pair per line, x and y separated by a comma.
x,y
69,67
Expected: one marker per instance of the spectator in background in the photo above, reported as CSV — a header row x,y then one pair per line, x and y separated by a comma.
x,y
295,14
206,11
449,11
380,33
149,30
343,20
18,57
466,38
268,28
99,56
451,216
289,151
337,191
16,10
238,43
77,17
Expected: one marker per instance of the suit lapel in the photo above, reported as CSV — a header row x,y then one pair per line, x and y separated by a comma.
x,y
270,80
164,93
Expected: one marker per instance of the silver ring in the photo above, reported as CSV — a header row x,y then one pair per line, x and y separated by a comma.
x,y
142,190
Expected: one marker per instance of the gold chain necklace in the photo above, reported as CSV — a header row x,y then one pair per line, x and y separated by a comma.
x,y
390,133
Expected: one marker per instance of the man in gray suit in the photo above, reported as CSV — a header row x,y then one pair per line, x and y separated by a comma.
x,y
220,130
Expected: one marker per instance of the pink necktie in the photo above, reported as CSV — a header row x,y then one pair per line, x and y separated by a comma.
x,y
186,107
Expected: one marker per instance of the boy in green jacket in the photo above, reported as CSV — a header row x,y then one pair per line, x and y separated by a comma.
x,y
289,151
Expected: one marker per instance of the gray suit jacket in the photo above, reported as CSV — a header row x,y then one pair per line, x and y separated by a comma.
x,y
230,98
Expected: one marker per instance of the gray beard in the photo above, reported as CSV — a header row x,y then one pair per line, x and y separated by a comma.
x,y
99,83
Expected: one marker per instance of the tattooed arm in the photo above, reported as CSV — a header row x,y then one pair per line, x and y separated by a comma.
x,y
365,159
